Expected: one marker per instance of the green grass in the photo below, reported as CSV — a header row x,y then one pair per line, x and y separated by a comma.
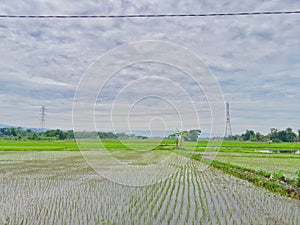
x,y
273,163
269,180
261,145
245,156
71,145
12,145
239,153
146,144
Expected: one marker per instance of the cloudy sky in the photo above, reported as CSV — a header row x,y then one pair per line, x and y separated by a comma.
x,y
255,60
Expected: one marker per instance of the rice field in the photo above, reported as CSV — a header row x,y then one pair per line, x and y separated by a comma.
x,y
45,187
288,163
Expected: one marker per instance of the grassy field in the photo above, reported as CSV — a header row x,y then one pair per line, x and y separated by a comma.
x,y
71,145
288,163
11,145
46,182
244,154
126,144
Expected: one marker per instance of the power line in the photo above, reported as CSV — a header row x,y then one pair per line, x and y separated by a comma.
x,y
147,15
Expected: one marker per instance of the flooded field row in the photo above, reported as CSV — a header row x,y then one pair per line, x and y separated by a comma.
x,y
61,188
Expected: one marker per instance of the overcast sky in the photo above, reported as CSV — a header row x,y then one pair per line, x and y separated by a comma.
x,y
255,59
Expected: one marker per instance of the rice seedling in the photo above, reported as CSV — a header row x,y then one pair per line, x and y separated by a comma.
x,y
64,190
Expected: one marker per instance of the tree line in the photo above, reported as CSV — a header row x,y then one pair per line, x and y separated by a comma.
x,y
13,133
275,135
18,133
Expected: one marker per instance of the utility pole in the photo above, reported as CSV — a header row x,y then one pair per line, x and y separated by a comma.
x,y
228,130
43,109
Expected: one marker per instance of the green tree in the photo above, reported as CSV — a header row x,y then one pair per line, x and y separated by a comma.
x,y
70,134
290,135
13,132
193,135
56,134
273,135
260,137
249,135
33,136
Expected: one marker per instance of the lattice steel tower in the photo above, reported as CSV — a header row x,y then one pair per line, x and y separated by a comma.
x,y
228,130
43,109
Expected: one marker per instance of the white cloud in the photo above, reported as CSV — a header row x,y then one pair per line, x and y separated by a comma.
x,y
255,58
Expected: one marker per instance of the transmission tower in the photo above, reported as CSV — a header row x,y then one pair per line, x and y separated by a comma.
x,y
228,130
43,110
